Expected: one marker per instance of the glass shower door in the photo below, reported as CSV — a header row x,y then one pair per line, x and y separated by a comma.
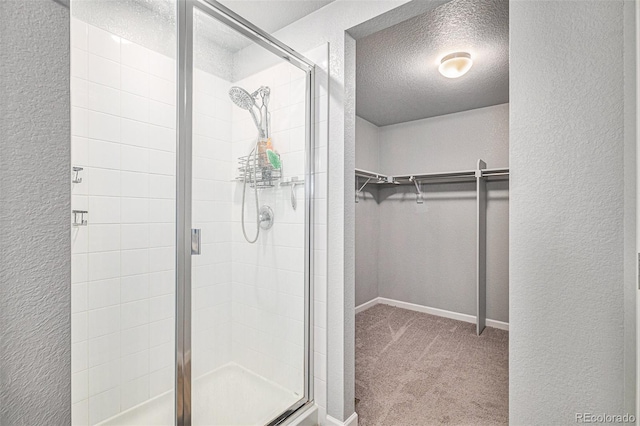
x,y
247,162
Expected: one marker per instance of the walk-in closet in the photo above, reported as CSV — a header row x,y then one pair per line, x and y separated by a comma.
x,y
432,207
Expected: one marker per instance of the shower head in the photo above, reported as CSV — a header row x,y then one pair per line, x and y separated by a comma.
x,y
241,98
245,100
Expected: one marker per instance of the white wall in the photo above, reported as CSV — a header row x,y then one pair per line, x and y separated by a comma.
x,y
35,358
428,251
367,145
567,221
448,142
367,215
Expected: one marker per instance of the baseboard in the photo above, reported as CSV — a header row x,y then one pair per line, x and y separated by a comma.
x,y
429,310
351,421
367,305
500,325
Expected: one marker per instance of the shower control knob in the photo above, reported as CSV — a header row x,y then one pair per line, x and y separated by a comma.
x,y
266,217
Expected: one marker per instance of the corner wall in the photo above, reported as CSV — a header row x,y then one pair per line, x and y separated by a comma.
x,y
35,273
567,144
367,214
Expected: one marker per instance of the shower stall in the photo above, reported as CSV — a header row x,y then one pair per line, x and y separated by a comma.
x,y
192,197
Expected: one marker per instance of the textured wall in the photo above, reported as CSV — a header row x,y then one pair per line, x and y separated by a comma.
x,y
428,251
631,210
35,341
367,215
566,224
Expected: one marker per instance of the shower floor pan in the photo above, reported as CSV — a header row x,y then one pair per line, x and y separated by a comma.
x,y
230,395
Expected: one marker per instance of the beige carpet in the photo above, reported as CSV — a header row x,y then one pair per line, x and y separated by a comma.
x,y
419,369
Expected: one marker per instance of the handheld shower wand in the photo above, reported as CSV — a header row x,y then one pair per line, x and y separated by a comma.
x,y
247,101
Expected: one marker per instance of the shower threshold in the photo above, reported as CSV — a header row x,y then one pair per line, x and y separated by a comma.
x,y
230,395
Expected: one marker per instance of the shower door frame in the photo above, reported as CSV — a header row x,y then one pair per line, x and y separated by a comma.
x,y
217,11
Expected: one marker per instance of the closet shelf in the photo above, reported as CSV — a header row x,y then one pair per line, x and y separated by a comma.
x,y
440,177
380,178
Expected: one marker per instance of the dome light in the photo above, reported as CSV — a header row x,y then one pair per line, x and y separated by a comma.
x,y
455,65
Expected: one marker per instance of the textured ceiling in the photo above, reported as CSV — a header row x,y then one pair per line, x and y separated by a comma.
x,y
152,23
268,15
397,68
271,15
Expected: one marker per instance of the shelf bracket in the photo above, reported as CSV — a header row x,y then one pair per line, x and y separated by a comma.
x,y
359,191
419,197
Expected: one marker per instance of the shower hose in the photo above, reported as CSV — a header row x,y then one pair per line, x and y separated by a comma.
x,y
247,175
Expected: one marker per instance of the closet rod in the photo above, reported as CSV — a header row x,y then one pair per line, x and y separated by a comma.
x,y
471,174
425,177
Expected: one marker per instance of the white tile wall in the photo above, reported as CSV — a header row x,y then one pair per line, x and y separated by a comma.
x,y
122,267
268,277
212,190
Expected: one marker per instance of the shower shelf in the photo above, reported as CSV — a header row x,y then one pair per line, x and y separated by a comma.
x,y
294,180
263,175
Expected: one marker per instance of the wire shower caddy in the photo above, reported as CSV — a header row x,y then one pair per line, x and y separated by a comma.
x,y
262,174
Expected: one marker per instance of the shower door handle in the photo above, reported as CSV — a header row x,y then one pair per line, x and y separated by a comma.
x,y
195,241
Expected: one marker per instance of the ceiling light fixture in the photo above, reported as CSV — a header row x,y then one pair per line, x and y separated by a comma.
x,y
455,65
